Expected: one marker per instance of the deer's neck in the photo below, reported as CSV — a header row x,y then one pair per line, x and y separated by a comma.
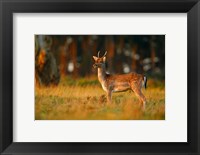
x,y
102,74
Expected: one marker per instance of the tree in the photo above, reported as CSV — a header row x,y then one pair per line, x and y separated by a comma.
x,y
46,69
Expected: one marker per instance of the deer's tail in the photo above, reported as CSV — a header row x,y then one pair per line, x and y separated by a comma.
x,y
145,82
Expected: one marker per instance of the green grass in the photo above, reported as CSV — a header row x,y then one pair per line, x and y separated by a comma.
x,y
84,99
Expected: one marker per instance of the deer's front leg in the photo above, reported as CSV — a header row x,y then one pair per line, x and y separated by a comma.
x,y
109,96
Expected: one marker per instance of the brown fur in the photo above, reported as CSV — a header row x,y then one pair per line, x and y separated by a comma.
x,y
119,83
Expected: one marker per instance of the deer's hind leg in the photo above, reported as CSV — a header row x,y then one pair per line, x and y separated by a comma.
x,y
138,92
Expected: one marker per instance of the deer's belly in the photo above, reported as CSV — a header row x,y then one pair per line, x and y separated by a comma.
x,y
116,87
120,87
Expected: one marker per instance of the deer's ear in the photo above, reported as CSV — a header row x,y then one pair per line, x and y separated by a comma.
x,y
95,58
104,59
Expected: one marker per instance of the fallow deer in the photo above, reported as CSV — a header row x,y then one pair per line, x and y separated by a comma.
x,y
119,83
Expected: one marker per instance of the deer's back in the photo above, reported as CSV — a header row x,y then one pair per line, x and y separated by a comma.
x,y
124,77
123,82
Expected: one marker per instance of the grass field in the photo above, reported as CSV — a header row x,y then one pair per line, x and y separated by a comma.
x,y
84,99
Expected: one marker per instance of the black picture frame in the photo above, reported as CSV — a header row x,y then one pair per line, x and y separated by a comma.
x,y
8,7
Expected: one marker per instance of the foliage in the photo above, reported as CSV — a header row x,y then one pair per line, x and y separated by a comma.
x,y
84,99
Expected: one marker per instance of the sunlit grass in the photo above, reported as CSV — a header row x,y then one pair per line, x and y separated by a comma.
x,y
84,99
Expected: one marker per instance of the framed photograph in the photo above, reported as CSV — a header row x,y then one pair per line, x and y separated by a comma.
x,y
68,69
99,77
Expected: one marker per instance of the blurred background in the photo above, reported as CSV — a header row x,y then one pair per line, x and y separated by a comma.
x,y
58,56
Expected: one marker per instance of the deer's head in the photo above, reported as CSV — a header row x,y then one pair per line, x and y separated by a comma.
x,y
99,61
